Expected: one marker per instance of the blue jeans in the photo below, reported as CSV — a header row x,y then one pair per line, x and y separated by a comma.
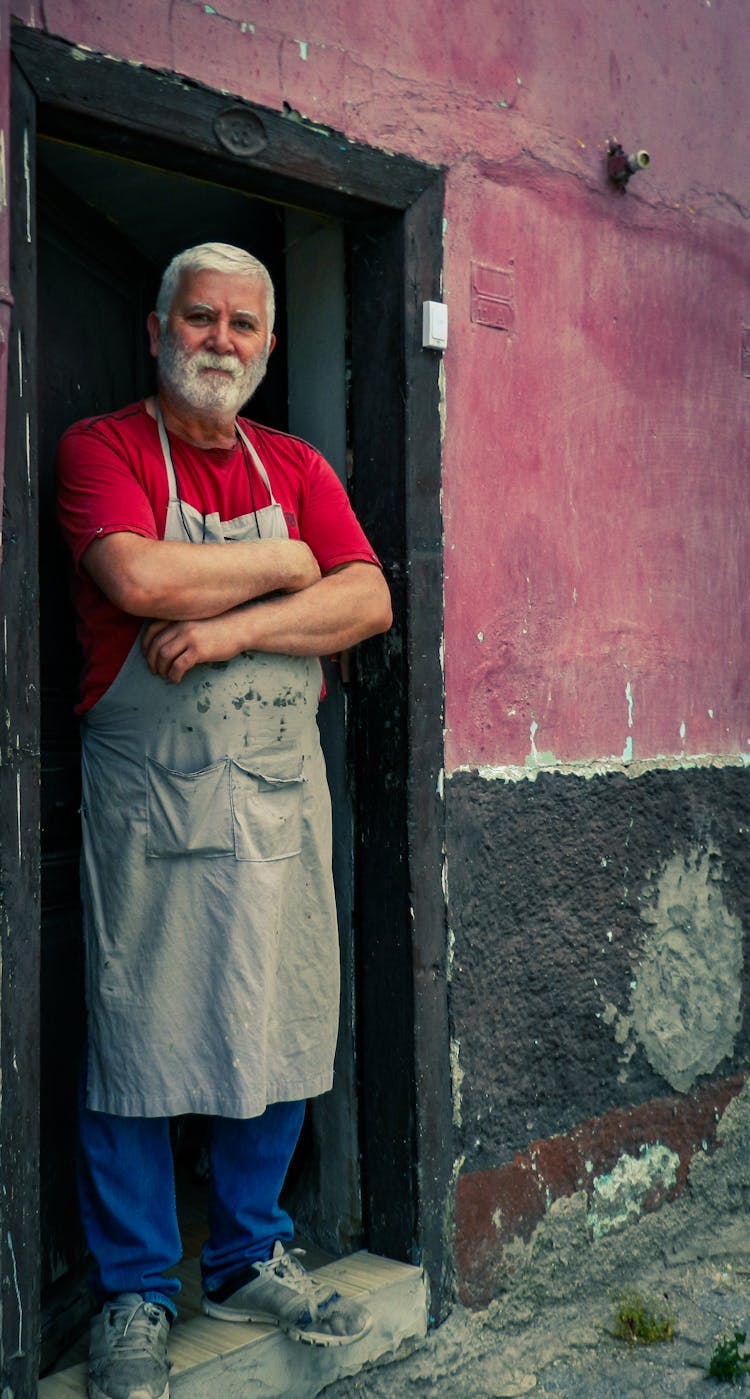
x,y
127,1196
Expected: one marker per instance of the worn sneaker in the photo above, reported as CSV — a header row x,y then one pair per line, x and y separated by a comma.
x,y
282,1293
128,1352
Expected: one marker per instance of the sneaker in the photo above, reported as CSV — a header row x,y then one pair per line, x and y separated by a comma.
x,y
128,1352
282,1293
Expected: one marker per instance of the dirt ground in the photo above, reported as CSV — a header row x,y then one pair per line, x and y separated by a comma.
x,y
550,1333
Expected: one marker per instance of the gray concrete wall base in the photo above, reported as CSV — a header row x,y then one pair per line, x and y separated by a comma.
x,y
562,1260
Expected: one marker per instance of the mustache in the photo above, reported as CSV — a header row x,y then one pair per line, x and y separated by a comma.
x,y
204,359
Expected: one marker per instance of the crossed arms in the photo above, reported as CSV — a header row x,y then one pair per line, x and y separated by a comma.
x,y
213,602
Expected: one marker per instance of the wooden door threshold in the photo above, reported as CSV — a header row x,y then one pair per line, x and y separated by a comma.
x,y
222,1358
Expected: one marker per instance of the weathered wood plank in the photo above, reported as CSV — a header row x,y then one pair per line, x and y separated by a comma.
x,y
196,121
384,949
426,811
19,803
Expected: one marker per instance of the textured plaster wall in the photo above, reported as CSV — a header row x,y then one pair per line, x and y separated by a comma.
x,y
595,501
598,954
599,998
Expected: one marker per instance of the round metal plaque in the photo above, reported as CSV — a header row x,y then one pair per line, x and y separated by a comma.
x,y
240,132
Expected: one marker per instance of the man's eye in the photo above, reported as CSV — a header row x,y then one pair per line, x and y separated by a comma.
x,y
244,326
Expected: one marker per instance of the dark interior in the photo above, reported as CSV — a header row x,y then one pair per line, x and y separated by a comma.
x,y
107,226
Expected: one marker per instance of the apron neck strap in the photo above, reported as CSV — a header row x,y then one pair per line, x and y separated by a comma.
x,y
169,464
258,463
167,455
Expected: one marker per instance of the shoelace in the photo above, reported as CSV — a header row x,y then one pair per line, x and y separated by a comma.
x,y
288,1268
141,1329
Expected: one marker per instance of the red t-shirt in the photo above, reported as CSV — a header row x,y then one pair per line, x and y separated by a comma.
x,y
112,479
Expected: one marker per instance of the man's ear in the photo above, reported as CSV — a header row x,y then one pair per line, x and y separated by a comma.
x,y
271,343
153,326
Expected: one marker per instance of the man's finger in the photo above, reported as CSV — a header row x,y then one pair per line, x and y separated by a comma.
x,y
152,630
163,651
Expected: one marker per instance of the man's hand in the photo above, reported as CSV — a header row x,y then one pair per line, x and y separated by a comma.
x,y
173,648
345,607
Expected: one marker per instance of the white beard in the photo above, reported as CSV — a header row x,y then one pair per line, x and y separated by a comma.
x,y
180,372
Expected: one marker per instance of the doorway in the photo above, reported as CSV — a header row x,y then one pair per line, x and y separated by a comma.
x,y
371,225
106,228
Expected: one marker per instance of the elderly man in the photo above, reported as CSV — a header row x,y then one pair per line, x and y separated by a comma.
x,y
211,946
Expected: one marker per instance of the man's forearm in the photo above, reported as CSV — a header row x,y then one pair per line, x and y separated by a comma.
x,y
341,609
172,579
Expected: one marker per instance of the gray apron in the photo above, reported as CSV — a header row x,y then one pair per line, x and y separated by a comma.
x,y
212,967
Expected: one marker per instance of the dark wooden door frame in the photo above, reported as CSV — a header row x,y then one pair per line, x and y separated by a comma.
x,y
392,210
19,810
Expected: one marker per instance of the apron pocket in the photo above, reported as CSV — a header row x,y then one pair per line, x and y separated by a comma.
x,y
188,813
267,810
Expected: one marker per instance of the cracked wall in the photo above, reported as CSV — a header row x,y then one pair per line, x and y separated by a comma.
x,y
599,994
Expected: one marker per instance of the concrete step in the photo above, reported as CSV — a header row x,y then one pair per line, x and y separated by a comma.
x,y
229,1361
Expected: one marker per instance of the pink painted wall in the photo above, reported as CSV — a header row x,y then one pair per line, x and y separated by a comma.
x,y
596,502
595,481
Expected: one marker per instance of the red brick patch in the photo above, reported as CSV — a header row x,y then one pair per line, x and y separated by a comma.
x,y
496,1206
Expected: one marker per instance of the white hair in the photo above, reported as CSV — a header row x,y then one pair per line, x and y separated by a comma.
x,y
213,257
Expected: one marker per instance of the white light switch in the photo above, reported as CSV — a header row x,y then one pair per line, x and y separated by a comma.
x,y
434,325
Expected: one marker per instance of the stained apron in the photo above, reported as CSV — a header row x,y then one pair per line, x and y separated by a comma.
x,y
212,963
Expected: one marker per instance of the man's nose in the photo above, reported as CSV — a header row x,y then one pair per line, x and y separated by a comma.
x,y
220,339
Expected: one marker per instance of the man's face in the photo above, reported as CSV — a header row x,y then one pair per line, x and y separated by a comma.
x,y
213,352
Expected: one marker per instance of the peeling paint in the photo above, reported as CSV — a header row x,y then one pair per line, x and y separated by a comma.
x,y
457,1078
303,47
442,407
3,187
685,1005
451,952
9,1237
536,759
602,767
27,182
617,1199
